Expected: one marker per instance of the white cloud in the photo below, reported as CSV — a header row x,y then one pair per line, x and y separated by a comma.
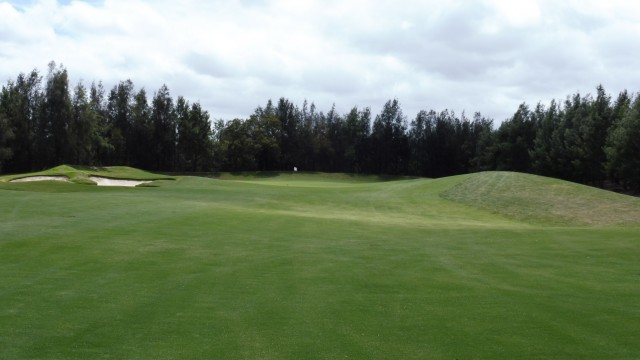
x,y
520,13
486,55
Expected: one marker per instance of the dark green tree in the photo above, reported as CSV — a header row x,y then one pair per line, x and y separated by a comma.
x,y
570,145
620,108
183,121
54,137
443,145
237,147
99,109
623,147
323,151
356,129
290,120
6,135
594,129
84,128
164,121
389,140
266,131
420,132
21,103
513,141
478,144
308,117
142,142
194,136
217,155
334,127
544,150
119,122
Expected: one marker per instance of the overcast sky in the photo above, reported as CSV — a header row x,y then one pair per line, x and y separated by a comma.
x,y
233,56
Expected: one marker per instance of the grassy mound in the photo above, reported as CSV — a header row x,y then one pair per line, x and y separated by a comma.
x,y
81,174
544,200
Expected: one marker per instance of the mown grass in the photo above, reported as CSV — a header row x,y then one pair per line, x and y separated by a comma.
x,y
543,200
306,267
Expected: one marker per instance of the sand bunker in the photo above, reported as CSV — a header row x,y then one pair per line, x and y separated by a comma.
x,y
101,181
41,178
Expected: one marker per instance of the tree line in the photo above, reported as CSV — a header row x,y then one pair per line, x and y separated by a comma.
x,y
43,123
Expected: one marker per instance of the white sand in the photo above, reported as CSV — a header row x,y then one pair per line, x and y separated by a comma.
x,y
100,181
41,178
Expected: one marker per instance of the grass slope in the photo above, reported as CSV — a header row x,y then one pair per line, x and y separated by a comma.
x,y
540,199
305,267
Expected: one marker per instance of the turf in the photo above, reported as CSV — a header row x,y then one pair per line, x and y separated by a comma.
x,y
543,200
315,266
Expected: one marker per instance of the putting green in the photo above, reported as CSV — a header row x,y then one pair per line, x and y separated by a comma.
x,y
316,266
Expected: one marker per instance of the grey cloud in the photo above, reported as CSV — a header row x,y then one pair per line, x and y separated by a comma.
x,y
331,80
574,18
209,65
451,44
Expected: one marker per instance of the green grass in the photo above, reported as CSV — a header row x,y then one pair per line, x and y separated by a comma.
x,y
548,201
317,266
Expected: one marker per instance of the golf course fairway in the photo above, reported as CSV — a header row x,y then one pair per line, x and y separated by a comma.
x,y
491,265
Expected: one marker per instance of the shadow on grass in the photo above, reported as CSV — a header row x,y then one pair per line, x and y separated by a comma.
x,y
275,174
55,187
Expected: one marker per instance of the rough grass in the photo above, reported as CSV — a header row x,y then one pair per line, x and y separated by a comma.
x,y
544,200
290,268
